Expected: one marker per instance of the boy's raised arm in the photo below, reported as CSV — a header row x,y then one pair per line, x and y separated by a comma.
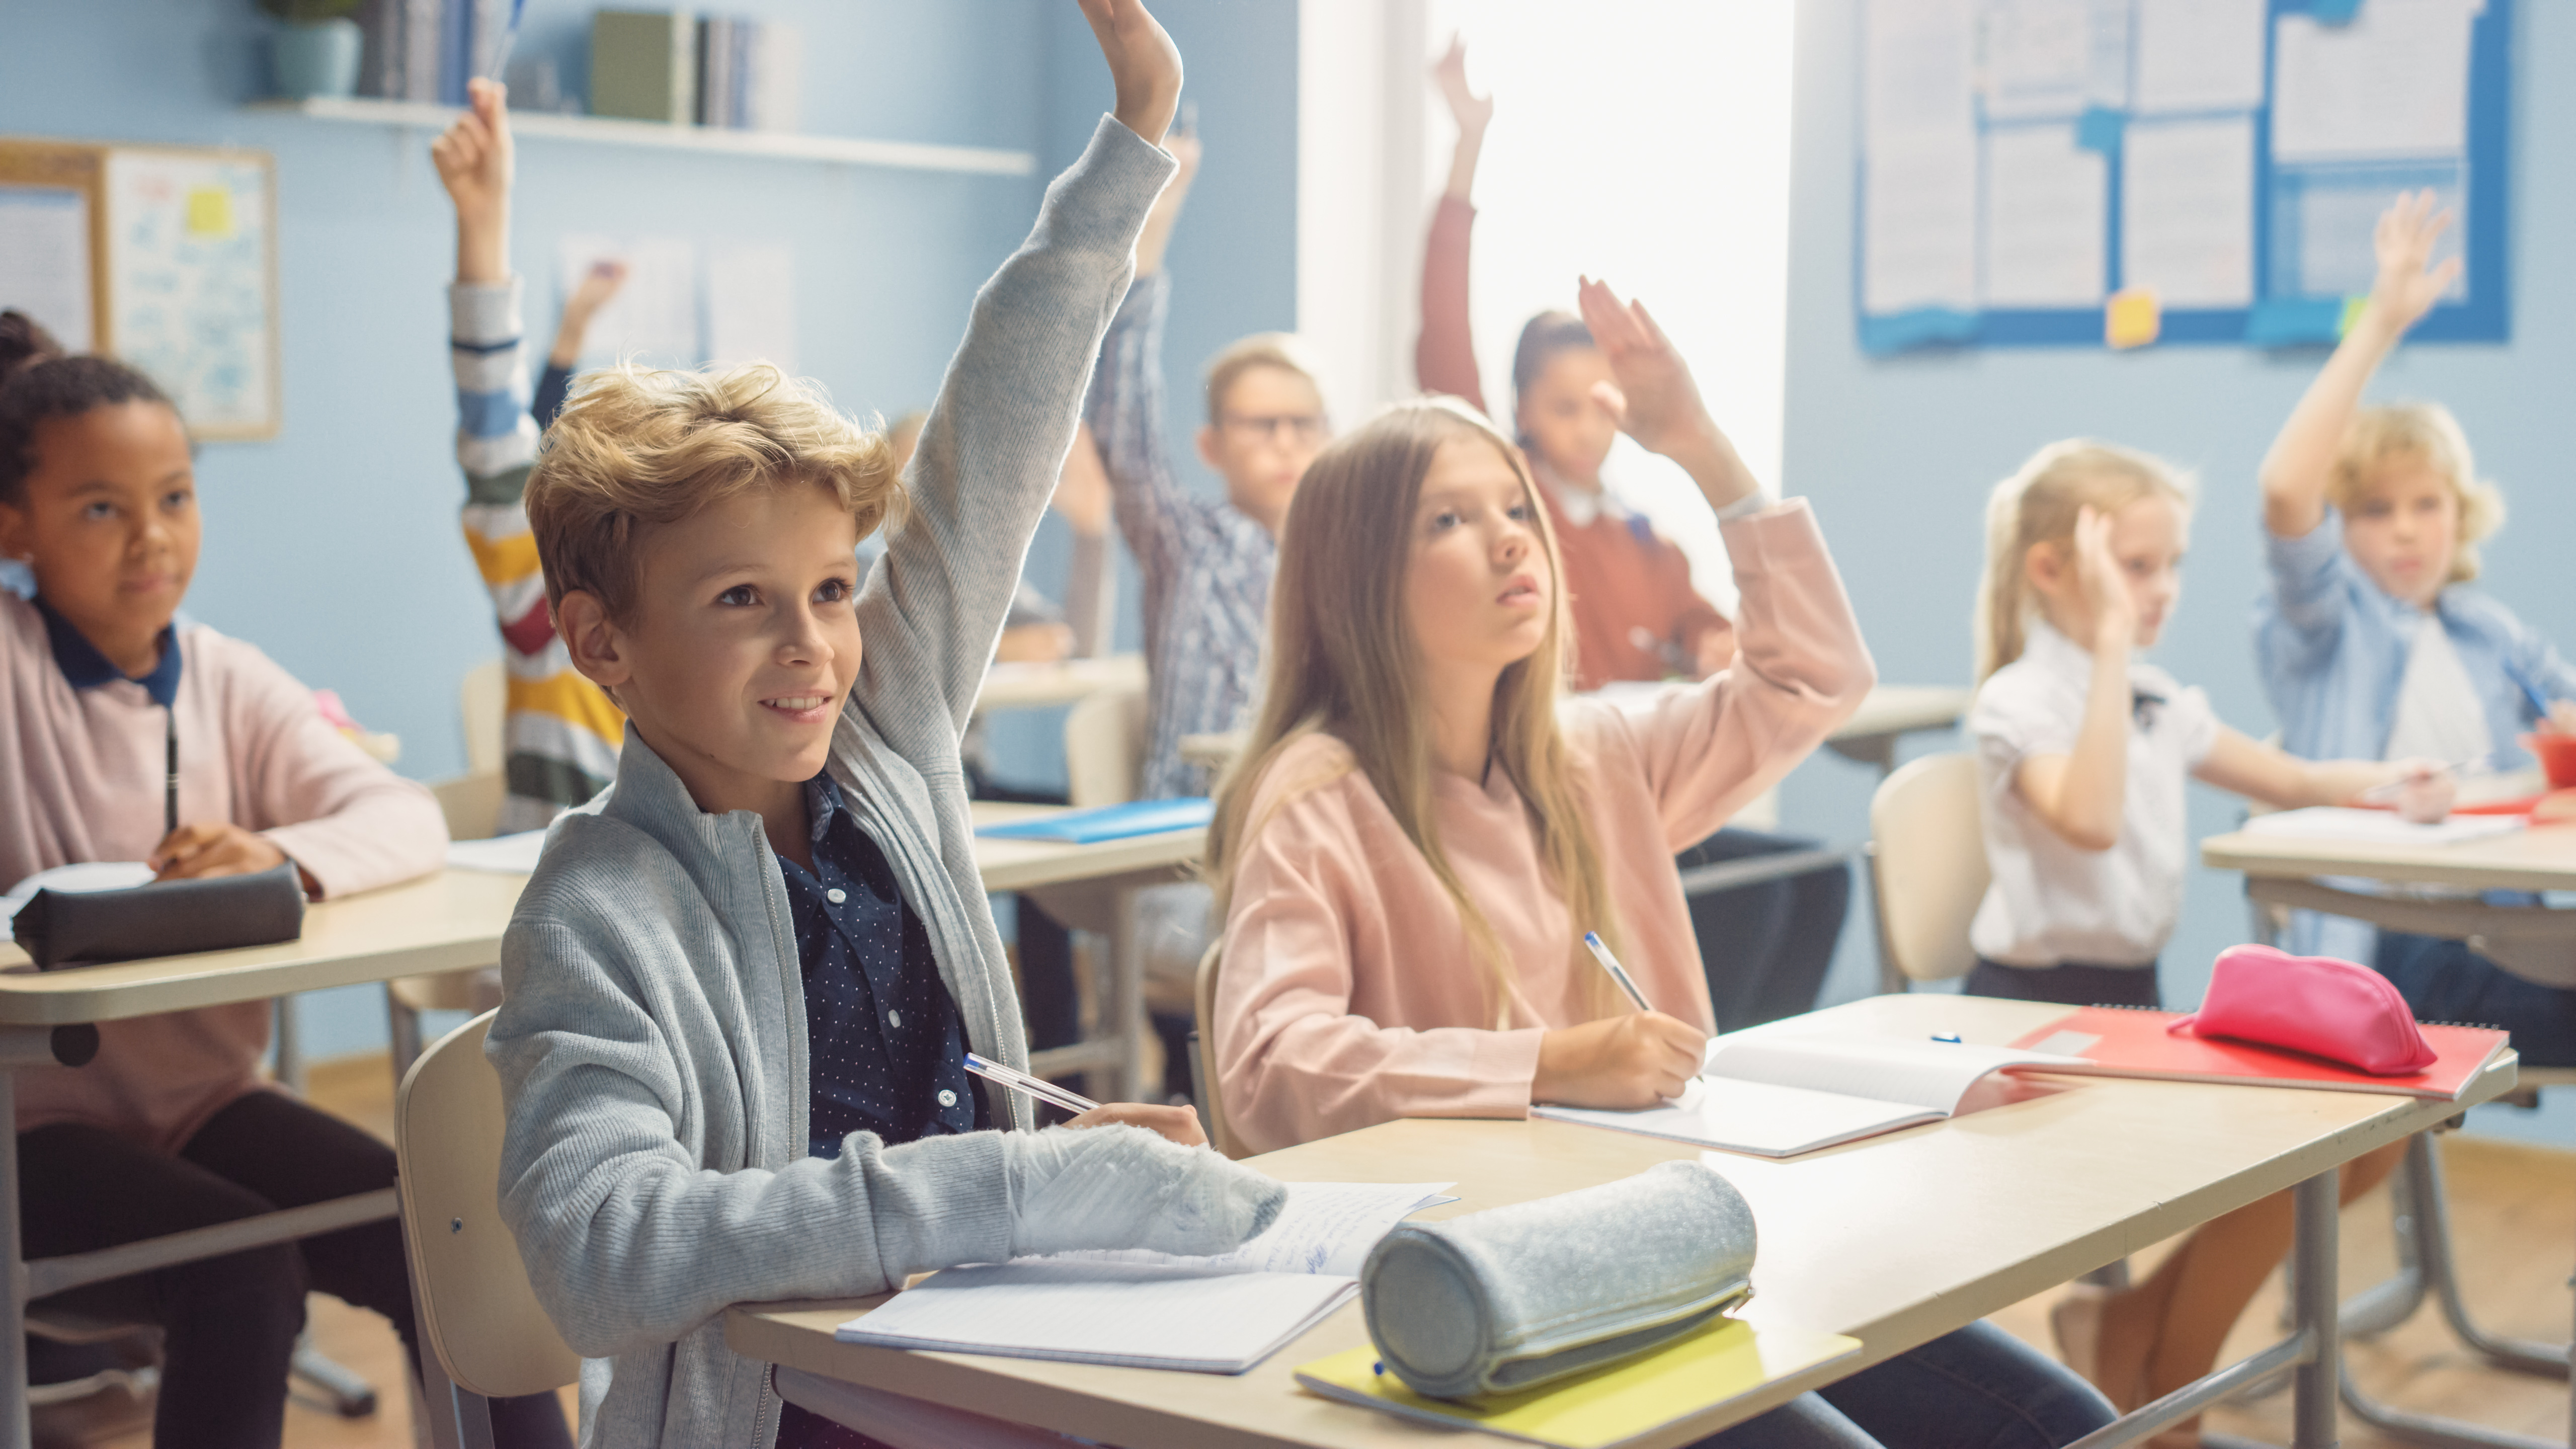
x,y
995,441
2301,463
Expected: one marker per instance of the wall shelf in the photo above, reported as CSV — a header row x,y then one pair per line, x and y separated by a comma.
x,y
782,145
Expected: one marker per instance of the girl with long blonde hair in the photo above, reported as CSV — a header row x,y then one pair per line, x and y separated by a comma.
x,y
1423,827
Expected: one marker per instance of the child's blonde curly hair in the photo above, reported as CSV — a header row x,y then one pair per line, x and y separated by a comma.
x,y
2421,432
638,448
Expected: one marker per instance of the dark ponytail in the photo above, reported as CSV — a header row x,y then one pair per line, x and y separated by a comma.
x,y
1542,338
39,382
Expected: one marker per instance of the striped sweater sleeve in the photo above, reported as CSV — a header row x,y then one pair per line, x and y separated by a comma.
x,y
560,734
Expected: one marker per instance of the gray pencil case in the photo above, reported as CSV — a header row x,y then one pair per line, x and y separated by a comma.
x,y
1513,1297
92,928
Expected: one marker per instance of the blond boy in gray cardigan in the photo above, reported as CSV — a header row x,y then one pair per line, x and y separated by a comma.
x,y
696,532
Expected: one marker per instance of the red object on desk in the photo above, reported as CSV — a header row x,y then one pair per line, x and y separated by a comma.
x,y
2131,1043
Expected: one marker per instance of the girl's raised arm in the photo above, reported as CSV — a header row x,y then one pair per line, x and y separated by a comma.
x,y
2296,471
2082,794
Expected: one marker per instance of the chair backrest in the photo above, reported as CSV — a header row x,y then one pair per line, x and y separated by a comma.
x,y
1928,865
1104,748
476,1309
484,700
471,803
1211,1094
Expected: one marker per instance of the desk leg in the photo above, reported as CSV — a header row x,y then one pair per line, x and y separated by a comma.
x,y
20,1046
2316,1312
1127,994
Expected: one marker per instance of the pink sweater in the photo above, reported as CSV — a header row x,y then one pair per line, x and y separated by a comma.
x,y
84,782
1348,996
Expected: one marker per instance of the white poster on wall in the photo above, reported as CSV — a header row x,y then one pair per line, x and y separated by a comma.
x,y
44,260
2046,219
653,319
751,304
2198,55
2187,211
2391,83
189,299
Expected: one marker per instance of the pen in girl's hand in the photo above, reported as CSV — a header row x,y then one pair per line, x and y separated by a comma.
x,y
1037,1087
1618,973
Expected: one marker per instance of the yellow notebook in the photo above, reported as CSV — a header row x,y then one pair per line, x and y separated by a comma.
x,y
1606,1407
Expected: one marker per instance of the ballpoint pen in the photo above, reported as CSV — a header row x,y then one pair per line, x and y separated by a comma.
x,y
1037,1087
1618,973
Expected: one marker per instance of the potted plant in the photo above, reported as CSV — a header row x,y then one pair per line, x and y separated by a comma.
x,y
315,52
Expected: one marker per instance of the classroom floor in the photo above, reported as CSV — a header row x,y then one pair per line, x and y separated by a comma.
x,y
2512,1207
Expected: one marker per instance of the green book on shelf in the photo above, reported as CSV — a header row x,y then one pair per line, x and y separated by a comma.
x,y
644,65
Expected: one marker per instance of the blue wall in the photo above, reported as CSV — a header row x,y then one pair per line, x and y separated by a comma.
x,y
1898,453
335,545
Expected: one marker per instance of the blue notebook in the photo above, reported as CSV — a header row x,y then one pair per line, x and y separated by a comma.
x,y
1110,822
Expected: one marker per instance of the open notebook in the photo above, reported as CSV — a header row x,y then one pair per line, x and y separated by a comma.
x,y
1777,1094
1142,1309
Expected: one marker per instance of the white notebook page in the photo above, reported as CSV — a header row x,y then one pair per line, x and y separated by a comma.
x,y
1135,1314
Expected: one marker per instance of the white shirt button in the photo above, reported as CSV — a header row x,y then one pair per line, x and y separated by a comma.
x,y
894,1018
947,1098
836,895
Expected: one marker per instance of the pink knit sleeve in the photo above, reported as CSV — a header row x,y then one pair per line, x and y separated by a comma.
x,y
1800,670
349,822
1306,933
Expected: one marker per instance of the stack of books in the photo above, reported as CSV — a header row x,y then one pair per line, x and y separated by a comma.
x,y
426,50
750,75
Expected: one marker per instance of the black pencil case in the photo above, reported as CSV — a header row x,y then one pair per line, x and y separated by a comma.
x,y
60,929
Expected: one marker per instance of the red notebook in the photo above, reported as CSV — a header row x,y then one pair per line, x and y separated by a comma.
x,y
2128,1042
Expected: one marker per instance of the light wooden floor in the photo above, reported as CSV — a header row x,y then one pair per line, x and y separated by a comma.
x,y
2513,1211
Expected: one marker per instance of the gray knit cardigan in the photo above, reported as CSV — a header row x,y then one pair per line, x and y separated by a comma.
x,y
651,1044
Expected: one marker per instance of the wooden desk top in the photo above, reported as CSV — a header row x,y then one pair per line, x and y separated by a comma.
x,y
1035,686
453,921
2542,858
1890,709
1895,1239
1019,865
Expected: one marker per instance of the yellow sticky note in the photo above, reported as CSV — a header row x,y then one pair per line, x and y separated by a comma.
x,y
2132,318
2351,313
210,213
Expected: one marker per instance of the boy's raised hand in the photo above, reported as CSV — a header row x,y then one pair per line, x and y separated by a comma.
x,y
2408,284
1143,62
474,162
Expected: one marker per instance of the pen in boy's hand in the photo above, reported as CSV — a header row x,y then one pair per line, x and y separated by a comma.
x,y
1618,973
1037,1087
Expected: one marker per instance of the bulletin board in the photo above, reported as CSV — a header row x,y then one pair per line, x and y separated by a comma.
x,y
2059,173
173,250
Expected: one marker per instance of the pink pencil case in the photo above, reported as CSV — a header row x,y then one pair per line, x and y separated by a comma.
x,y
2314,1004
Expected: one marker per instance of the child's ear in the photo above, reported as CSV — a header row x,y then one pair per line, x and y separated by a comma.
x,y
592,639
13,533
2045,566
1207,447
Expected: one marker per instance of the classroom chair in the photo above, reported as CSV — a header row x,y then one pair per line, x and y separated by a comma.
x,y
1927,869
484,698
1104,748
487,1335
1207,1093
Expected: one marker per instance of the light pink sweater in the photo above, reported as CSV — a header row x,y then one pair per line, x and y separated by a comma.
x,y
1348,995
82,780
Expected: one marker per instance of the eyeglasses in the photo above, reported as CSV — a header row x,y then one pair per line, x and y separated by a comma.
x,y
1299,427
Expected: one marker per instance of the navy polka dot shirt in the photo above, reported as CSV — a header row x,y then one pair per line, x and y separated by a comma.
x,y
886,1047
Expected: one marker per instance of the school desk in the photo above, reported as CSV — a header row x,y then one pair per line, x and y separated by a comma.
x,y
1894,1240
451,921
2300,875
1068,681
